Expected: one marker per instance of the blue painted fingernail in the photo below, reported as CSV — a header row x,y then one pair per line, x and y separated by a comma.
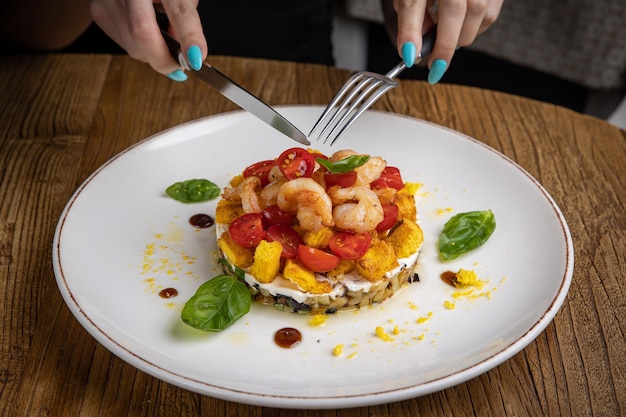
x,y
457,48
436,71
409,51
178,75
194,57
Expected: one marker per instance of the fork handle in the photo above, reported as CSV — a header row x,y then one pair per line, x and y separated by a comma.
x,y
428,42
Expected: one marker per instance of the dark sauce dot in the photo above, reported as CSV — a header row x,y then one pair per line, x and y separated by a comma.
x,y
168,293
287,337
201,221
449,278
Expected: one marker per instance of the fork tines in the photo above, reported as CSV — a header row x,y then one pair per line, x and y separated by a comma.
x,y
358,94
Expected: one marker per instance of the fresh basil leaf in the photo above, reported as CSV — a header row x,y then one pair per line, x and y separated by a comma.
x,y
464,232
217,304
344,165
193,191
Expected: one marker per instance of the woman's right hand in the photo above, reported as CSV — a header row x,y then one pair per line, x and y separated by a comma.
x,y
133,25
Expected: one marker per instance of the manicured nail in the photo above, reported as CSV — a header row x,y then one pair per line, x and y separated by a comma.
x,y
409,51
436,71
178,75
194,57
457,48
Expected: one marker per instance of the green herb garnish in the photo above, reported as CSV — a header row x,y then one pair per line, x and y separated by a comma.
x,y
344,165
217,304
464,232
193,191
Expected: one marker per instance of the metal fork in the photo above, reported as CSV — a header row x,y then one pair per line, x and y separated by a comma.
x,y
359,93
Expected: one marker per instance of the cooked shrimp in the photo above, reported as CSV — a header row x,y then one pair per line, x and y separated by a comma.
x,y
246,192
269,193
342,154
366,173
358,208
308,201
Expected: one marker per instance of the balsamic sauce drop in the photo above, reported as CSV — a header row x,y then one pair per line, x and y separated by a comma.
x,y
201,221
287,337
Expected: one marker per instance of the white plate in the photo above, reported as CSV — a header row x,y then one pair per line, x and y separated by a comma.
x,y
110,277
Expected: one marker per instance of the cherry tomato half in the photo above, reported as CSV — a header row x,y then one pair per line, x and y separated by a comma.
x,y
348,245
390,177
342,179
260,169
296,163
274,215
390,212
316,259
247,230
287,237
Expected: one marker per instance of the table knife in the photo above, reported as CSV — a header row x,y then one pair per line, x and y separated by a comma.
x,y
237,94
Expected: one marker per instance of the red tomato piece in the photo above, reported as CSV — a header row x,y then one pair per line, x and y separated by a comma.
x,y
342,179
260,169
350,246
247,230
390,212
287,237
390,178
296,163
274,215
316,259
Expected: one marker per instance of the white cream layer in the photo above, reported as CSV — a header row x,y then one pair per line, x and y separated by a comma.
x,y
349,282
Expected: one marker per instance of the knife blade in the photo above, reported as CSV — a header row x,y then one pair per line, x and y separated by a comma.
x,y
237,94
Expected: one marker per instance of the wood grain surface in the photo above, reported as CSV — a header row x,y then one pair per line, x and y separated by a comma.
x,y
62,116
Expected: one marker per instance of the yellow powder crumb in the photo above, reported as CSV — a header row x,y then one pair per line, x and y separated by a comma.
x,y
352,355
412,187
425,319
459,294
380,332
421,337
469,285
396,329
446,210
338,350
468,278
449,305
412,306
318,320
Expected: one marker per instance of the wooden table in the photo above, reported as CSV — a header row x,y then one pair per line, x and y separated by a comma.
x,y
62,116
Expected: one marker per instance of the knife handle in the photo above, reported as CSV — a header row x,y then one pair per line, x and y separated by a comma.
x,y
174,48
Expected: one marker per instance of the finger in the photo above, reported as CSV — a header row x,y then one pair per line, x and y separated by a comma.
x,y
451,18
450,21
145,35
187,27
476,10
410,28
491,15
